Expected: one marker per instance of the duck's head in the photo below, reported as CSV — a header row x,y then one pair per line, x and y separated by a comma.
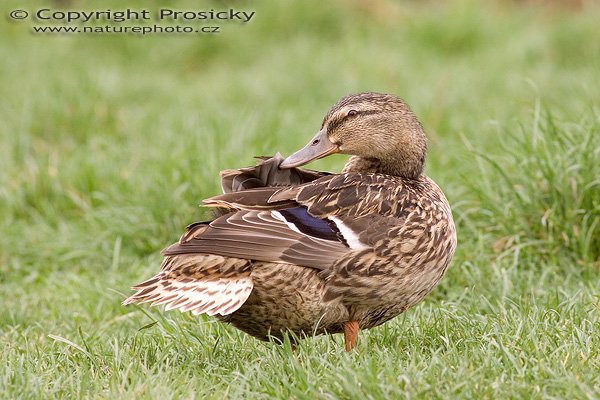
x,y
379,130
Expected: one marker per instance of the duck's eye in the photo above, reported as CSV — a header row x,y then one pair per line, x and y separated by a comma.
x,y
352,113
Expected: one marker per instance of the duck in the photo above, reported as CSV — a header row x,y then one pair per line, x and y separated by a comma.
x,y
294,250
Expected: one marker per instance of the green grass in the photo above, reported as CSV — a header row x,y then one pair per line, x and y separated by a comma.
x,y
108,144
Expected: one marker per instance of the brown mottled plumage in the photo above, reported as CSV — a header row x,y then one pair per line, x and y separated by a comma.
x,y
311,252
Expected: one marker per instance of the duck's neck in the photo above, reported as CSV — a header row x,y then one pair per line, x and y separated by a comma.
x,y
395,168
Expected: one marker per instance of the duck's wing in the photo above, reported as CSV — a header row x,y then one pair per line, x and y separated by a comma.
x,y
288,235
284,232
359,207
313,224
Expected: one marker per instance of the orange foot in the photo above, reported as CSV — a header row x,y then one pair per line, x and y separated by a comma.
x,y
350,334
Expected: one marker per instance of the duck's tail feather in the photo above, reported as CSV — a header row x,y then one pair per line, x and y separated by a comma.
x,y
200,283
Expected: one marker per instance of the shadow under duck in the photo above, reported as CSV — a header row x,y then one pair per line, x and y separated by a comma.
x,y
312,252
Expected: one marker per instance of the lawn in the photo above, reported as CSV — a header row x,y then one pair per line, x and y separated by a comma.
x,y
108,143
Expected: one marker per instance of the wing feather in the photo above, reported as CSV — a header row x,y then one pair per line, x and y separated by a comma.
x,y
261,236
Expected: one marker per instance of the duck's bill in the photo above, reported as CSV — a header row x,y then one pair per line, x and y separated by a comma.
x,y
318,147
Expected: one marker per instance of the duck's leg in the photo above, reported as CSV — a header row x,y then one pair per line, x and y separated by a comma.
x,y
350,334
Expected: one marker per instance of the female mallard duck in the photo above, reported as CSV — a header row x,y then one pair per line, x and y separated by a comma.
x,y
311,252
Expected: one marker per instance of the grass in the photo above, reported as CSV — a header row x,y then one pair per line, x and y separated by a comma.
x,y
553,209
108,143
